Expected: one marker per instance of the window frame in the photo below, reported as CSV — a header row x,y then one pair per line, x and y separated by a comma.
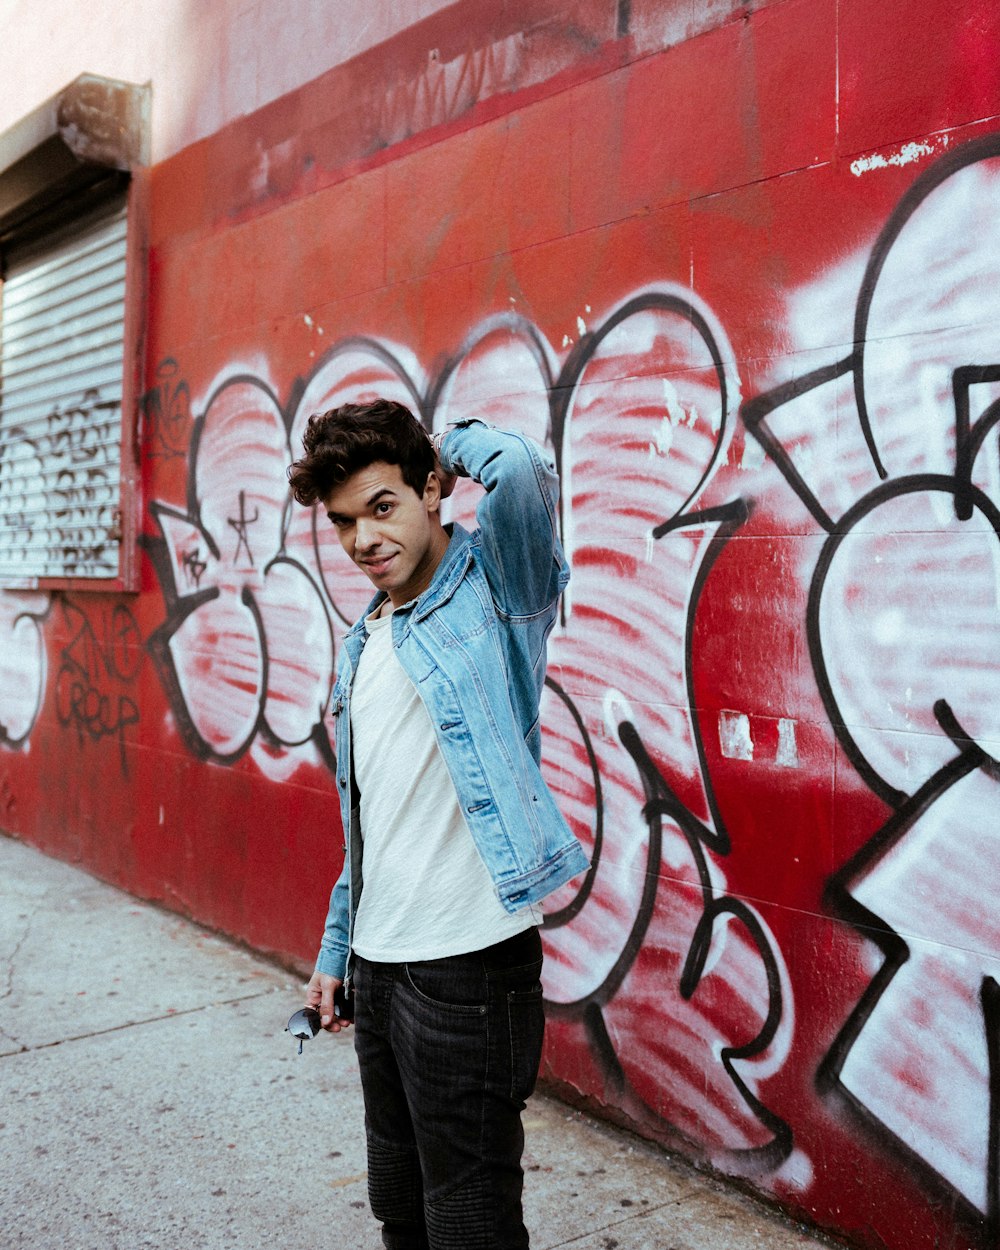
x,y
86,146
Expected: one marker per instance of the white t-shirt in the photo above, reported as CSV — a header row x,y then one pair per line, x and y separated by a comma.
x,y
427,892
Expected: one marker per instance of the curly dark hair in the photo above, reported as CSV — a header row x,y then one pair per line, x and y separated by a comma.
x,y
342,440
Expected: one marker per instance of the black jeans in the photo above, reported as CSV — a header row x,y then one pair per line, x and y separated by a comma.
x,y
449,1051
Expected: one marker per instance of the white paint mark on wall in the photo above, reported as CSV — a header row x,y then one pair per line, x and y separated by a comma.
x,y
906,155
616,709
734,736
753,455
664,439
788,750
675,410
715,418
797,1171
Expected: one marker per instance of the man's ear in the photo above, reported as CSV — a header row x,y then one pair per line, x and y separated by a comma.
x,y
432,493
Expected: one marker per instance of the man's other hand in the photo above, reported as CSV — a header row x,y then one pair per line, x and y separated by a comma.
x,y
446,479
319,994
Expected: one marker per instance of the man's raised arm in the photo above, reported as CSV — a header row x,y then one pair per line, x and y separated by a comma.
x,y
518,517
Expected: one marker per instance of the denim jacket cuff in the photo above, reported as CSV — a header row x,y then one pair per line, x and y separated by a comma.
x,y
332,963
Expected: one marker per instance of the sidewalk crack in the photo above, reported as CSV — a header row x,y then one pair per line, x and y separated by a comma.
x,y
133,1024
626,1219
8,989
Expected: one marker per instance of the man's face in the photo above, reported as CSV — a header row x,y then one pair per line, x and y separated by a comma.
x,y
388,530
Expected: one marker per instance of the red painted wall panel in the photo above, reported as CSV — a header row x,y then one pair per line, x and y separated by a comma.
x,y
744,288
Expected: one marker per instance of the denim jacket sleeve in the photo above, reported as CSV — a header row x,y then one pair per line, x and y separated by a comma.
x,y
517,517
333,951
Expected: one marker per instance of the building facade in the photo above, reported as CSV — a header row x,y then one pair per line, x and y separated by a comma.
x,y
736,266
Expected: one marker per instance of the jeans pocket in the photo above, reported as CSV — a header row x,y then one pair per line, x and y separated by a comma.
x,y
449,986
526,1026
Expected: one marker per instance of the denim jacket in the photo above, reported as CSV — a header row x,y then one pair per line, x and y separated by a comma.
x,y
474,646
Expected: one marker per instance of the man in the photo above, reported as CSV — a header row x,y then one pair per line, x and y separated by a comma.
x,y
452,835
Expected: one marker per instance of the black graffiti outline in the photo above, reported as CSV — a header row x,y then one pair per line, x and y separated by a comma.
x,y
564,387
570,910
970,153
194,566
71,444
181,602
660,799
896,488
167,408
513,323
38,619
158,646
969,440
241,525
8,802
623,18
316,734
663,801
895,952
85,661
78,440
989,997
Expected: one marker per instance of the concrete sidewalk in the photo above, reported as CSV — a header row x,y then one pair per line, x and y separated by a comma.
x,y
150,1097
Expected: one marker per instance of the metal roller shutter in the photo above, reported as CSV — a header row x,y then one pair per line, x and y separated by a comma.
x,y
61,357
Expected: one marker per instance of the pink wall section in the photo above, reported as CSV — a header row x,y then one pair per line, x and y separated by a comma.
x,y
209,63
745,289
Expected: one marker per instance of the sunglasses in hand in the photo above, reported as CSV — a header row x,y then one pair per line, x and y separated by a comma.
x,y
304,1025
306,1022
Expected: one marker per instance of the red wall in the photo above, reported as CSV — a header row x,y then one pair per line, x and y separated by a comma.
x,y
747,288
